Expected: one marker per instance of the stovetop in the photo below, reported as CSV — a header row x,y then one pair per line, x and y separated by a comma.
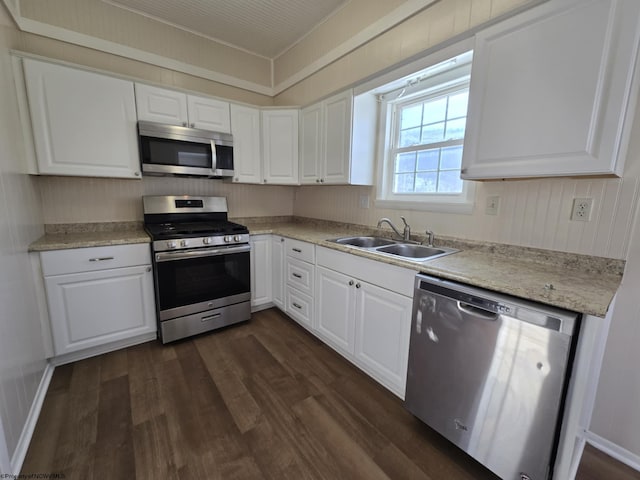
x,y
178,230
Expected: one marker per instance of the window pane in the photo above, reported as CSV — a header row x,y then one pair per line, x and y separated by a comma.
x,y
428,160
450,182
455,129
403,183
406,162
411,117
451,158
409,137
426,182
434,111
433,133
458,105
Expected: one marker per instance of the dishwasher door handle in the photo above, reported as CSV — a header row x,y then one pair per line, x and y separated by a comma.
x,y
477,312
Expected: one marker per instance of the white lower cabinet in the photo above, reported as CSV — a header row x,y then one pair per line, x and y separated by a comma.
x,y
98,296
299,271
382,328
277,272
366,321
260,270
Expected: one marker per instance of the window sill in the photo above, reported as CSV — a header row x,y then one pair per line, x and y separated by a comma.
x,y
465,208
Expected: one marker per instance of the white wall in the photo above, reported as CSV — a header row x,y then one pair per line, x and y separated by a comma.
x,y
22,356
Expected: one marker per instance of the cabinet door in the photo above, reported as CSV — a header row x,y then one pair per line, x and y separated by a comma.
x,y
383,324
94,308
551,90
335,309
247,159
208,114
280,146
337,138
260,270
160,105
83,123
311,144
277,272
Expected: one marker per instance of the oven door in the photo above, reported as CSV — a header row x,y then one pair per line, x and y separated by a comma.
x,y
192,281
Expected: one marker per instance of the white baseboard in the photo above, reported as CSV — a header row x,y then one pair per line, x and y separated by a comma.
x,y
613,450
30,425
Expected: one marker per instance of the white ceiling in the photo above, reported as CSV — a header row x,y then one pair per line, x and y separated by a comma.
x,y
265,27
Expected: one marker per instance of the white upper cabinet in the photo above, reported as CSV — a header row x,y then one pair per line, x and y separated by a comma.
x,y
83,123
337,139
552,93
247,156
280,146
160,105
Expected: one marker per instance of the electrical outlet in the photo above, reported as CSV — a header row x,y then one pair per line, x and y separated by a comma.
x,y
493,203
581,211
364,201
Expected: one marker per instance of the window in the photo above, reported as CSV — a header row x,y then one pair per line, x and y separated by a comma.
x,y
424,118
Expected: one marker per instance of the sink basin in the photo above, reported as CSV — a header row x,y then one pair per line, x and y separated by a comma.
x,y
418,253
364,242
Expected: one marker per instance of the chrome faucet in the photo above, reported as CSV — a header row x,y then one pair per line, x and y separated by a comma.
x,y
406,232
429,238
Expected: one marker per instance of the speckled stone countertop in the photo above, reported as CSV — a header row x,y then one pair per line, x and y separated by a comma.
x,y
81,235
576,282
580,283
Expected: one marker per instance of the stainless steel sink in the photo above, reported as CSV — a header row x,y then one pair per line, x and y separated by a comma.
x,y
396,248
364,242
415,252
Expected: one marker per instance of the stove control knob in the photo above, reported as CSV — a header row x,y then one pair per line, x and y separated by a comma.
x,y
237,238
206,240
184,243
171,244
228,239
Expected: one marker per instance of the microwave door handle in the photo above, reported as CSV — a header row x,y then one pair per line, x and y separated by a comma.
x,y
214,160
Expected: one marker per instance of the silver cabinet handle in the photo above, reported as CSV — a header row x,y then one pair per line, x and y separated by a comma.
x,y
322,180
350,282
137,174
297,306
282,239
184,124
193,125
297,275
297,250
358,285
100,259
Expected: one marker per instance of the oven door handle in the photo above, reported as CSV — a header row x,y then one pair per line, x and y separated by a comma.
x,y
201,252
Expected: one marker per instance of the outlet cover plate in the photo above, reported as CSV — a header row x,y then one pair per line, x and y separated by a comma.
x,y
581,210
493,203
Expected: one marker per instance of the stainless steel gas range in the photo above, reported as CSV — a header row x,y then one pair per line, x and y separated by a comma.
x,y
201,265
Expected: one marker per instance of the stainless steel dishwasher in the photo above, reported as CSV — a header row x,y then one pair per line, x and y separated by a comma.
x,y
489,373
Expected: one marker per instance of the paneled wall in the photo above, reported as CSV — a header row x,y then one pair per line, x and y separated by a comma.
x,y
22,356
79,199
532,213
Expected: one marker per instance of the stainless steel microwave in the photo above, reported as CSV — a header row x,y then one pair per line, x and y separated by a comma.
x,y
172,150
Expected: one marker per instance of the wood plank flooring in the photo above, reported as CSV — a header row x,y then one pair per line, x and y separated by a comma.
x,y
261,400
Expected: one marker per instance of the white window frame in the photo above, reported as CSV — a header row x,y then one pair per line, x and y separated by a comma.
x,y
450,80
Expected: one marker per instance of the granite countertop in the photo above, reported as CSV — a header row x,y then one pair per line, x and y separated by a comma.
x,y
576,282
81,235
580,283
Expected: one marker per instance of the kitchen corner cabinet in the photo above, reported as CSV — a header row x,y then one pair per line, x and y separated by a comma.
x,y
84,123
277,272
280,146
247,152
337,140
552,92
161,105
98,295
260,271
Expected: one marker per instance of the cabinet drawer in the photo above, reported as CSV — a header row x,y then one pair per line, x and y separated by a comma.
x,y
300,307
301,250
300,275
77,260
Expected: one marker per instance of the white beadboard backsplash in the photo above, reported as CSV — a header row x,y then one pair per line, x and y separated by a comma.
x,y
533,213
80,199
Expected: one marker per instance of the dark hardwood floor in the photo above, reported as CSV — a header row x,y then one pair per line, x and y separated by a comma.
x,y
263,399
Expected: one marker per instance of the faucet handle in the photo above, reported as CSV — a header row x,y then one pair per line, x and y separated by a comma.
x,y
404,220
